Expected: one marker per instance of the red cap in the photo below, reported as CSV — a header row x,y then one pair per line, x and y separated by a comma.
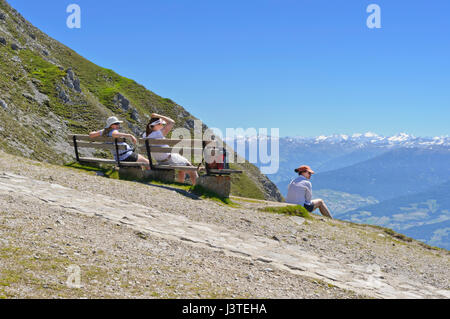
x,y
304,168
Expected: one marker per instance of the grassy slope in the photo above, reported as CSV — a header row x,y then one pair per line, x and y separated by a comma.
x,y
99,86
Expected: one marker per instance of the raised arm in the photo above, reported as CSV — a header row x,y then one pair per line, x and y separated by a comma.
x,y
95,134
169,121
117,134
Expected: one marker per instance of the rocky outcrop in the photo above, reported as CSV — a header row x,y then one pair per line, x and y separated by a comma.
x,y
36,96
62,94
136,125
270,189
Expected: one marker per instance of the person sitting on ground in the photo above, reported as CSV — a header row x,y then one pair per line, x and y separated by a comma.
x,y
112,130
300,192
157,128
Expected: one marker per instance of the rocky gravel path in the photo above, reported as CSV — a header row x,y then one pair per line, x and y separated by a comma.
x,y
224,251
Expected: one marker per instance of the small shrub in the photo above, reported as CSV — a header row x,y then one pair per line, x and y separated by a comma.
x,y
394,234
204,193
288,210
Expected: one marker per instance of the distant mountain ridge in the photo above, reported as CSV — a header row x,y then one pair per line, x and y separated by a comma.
x,y
328,153
357,139
363,176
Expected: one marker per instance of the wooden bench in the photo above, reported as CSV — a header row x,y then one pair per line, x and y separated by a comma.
x,y
216,180
103,143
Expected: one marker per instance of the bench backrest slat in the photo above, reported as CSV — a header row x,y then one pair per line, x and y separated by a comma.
x,y
158,149
186,146
95,139
104,146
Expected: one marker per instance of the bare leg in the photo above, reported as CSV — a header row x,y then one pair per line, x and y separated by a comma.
x,y
320,204
142,159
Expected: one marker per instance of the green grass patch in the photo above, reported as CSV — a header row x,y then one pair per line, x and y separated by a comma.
x,y
287,210
206,194
181,186
394,234
401,237
86,112
106,96
107,172
243,186
9,277
25,139
113,174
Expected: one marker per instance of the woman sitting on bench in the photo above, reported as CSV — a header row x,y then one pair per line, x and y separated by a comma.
x,y
112,130
158,127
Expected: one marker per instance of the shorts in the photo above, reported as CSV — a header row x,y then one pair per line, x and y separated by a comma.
x,y
309,208
132,158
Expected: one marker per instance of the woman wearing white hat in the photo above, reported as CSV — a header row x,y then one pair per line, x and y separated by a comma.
x,y
158,127
112,130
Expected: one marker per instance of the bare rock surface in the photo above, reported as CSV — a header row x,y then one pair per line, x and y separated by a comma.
x,y
158,241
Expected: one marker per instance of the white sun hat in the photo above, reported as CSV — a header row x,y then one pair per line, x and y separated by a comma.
x,y
112,120
159,121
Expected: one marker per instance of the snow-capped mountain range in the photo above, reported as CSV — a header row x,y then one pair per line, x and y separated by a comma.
x,y
328,153
365,139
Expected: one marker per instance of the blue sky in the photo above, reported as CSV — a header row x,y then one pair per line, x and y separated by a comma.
x,y
307,67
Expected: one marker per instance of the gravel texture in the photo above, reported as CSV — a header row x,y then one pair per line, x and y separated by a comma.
x,y
39,243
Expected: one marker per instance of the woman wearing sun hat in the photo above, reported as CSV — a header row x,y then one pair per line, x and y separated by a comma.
x,y
112,130
300,192
157,128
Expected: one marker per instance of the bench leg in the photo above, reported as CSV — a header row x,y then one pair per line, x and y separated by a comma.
x,y
134,173
221,185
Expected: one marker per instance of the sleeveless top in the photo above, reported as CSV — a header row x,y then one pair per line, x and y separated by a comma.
x,y
299,191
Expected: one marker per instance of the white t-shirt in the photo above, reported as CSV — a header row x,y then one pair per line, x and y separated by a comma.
x,y
157,135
